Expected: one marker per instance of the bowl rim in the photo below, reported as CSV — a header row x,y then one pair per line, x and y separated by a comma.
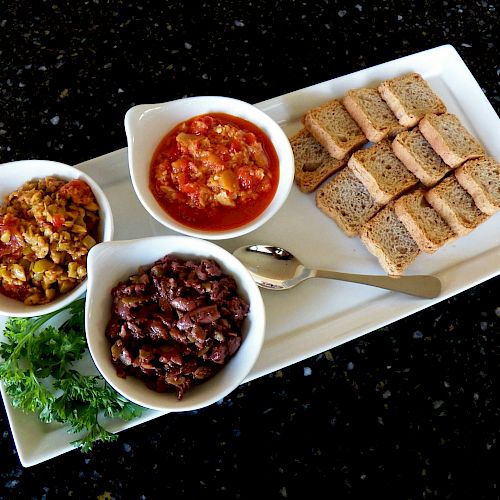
x,y
216,103
107,232
197,249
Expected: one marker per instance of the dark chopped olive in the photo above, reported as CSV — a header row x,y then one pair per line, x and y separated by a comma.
x,y
175,323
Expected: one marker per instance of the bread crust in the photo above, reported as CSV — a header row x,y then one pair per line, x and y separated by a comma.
x,y
404,154
385,225
366,174
482,198
408,113
338,145
410,162
374,132
405,119
348,213
427,228
313,163
444,200
369,181
436,140
440,144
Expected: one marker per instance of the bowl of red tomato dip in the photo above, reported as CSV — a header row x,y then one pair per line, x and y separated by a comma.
x,y
211,167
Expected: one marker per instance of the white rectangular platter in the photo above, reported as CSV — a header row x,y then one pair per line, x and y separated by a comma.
x,y
320,314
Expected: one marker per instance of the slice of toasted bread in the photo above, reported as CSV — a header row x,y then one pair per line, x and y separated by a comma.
x,y
455,205
313,163
481,179
346,200
334,129
372,114
380,170
429,230
410,98
450,139
385,236
417,154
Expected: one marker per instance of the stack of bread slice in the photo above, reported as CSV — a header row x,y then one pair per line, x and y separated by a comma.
x,y
391,165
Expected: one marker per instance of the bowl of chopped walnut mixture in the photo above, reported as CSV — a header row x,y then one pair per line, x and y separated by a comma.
x,y
51,215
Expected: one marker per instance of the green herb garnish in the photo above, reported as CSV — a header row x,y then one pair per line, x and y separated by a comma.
x,y
37,369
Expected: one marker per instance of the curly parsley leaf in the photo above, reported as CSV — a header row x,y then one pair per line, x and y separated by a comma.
x,y
38,375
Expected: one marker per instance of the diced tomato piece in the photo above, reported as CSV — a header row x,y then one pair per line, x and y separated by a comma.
x,y
180,172
17,292
171,152
181,179
180,165
222,152
246,179
78,190
5,250
235,146
58,220
197,127
9,221
201,125
250,138
264,185
11,224
189,187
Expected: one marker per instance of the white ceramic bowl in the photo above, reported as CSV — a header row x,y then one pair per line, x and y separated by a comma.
x,y
12,176
110,263
147,124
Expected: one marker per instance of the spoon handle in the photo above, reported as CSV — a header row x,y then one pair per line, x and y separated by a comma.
x,y
421,286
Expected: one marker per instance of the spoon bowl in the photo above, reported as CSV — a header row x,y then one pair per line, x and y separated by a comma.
x,y
275,268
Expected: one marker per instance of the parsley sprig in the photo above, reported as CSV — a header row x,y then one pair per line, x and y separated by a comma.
x,y
37,369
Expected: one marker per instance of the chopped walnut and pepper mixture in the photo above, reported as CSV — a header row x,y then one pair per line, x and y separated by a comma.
x,y
46,230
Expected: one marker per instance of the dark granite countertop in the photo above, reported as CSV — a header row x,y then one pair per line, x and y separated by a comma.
x,y
409,411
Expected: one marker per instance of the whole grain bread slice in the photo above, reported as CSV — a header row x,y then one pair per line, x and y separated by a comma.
x,y
481,179
419,157
450,139
429,230
385,236
381,171
313,163
455,205
334,128
372,114
410,97
347,201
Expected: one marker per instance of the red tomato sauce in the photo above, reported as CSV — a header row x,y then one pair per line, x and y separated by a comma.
x,y
214,172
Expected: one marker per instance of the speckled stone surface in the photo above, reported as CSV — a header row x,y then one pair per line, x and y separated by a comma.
x,y
409,411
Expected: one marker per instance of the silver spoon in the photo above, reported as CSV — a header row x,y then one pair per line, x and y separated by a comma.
x,y
277,269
